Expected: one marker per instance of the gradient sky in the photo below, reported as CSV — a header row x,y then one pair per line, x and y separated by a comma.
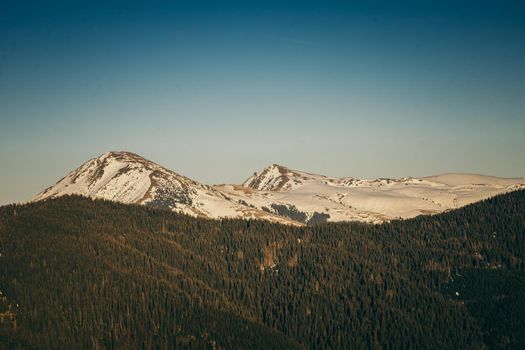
x,y
217,90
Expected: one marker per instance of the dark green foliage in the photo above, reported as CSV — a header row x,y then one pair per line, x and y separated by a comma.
x,y
318,218
90,274
497,299
169,198
288,211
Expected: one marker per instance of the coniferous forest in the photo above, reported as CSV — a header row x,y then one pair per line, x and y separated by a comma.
x,y
77,273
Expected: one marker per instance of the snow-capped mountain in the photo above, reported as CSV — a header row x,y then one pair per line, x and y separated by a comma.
x,y
285,191
276,193
128,178
279,178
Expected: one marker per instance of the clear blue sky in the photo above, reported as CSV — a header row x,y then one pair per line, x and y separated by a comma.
x,y
216,90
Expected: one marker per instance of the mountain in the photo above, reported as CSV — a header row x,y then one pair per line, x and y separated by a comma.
x,y
129,178
280,179
276,193
77,273
281,190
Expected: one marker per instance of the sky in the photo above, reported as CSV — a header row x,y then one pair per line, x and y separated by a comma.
x,y
217,90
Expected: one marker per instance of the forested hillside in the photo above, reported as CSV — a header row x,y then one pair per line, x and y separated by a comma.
x,y
82,273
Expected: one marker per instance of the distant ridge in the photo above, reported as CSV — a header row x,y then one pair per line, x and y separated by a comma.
x,y
276,193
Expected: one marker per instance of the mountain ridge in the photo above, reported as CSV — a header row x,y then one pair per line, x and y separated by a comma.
x,y
129,178
276,193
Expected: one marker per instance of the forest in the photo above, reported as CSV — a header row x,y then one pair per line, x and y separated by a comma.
x,y
77,273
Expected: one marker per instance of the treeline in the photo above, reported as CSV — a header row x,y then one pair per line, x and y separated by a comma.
x,y
82,273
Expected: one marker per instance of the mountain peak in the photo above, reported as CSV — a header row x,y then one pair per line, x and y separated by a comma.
x,y
115,175
118,154
278,178
275,165
129,178
125,156
277,169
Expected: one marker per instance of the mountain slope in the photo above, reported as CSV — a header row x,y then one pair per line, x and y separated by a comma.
x,y
82,273
86,274
128,178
